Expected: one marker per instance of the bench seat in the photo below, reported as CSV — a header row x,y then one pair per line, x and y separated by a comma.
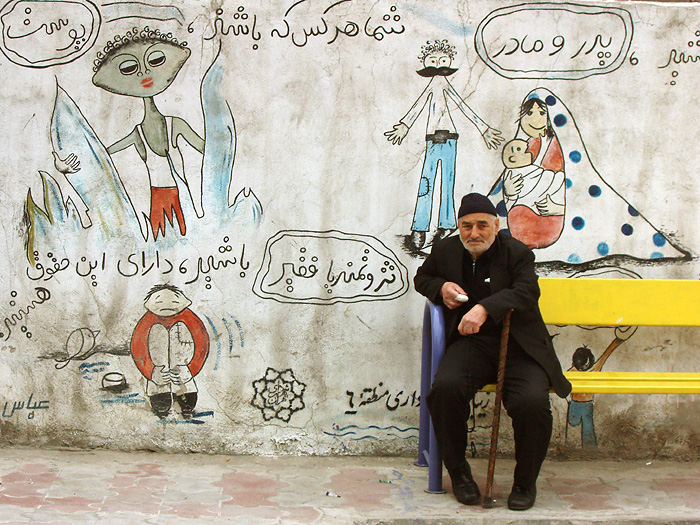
x,y
629,383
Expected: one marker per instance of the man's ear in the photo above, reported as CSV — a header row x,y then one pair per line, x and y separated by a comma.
x,y
497,224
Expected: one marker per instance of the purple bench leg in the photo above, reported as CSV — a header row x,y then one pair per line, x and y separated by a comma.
x,y
433,350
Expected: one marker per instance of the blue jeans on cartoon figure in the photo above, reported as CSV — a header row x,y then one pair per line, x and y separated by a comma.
x,y
445,155
581,413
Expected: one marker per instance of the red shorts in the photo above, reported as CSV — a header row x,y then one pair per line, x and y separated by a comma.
x,y
163,202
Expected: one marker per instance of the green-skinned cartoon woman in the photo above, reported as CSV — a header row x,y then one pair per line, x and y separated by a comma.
x,y
143,63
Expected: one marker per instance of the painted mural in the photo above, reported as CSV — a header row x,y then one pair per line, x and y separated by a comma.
x,y
213,211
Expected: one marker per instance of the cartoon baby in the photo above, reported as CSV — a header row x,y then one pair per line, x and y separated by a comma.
x,y
534,197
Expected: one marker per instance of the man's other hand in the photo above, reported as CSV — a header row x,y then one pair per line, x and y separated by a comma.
x,y
472,320
396,135
449,293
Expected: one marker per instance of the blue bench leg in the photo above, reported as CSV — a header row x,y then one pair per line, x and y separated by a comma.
x,y
433,350
424,425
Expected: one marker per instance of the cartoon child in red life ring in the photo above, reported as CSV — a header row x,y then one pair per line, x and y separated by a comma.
x,y
169,346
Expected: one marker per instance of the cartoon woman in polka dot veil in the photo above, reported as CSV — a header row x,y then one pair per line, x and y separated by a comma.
x,y
553,199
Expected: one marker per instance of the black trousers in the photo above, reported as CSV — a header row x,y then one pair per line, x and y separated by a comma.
x,y
472,362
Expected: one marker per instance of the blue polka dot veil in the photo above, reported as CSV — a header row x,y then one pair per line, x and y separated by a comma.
x,y
599,224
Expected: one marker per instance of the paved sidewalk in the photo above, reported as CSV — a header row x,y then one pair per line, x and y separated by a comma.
x,y
50,486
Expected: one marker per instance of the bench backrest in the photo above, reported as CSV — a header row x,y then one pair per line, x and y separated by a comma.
x,y
620,302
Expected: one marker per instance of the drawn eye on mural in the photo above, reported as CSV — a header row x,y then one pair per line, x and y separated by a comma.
x,y
441,143
560,205
170,346
44,33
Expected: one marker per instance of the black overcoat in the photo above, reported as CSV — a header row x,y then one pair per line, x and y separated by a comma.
x,y
513,286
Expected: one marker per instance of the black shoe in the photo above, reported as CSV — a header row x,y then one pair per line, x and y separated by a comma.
x,y
464,487
417,240
440,234
187,403
521,499
161,403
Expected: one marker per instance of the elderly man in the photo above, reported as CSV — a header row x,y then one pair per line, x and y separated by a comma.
x,y
480,276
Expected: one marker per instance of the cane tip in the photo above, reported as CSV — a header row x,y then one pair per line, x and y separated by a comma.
x,y
488,503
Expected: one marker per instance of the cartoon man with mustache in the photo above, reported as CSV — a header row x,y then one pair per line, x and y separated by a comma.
x,y
441,140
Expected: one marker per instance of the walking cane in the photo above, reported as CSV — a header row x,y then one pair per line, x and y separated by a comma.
x,y
488,495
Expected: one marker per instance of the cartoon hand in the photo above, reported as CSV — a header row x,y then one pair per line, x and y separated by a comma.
x,y
161,376
180,374
492,138
625,332
512,184
71,164
548,207
396,135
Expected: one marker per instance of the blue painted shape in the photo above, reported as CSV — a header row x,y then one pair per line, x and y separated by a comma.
x,y
218,342
659,240
501,209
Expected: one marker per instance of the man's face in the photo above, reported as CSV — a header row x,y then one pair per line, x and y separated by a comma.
x,y
534,122
166,302
477,232
141,69
437,59
515,154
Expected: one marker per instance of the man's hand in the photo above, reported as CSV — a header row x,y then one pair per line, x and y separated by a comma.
x,y
160,376
472,320
512,184
492,138
449,292
396,135
71,164
180,374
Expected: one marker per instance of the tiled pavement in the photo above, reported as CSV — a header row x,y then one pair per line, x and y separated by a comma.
x,y
50,486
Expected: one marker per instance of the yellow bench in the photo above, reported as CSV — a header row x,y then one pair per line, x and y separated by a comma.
x,y
592,302
624,302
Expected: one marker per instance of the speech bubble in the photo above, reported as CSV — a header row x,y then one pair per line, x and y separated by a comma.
x,y
44,33
554,41
329,267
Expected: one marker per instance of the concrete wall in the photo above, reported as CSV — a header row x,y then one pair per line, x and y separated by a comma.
x,y
286,278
